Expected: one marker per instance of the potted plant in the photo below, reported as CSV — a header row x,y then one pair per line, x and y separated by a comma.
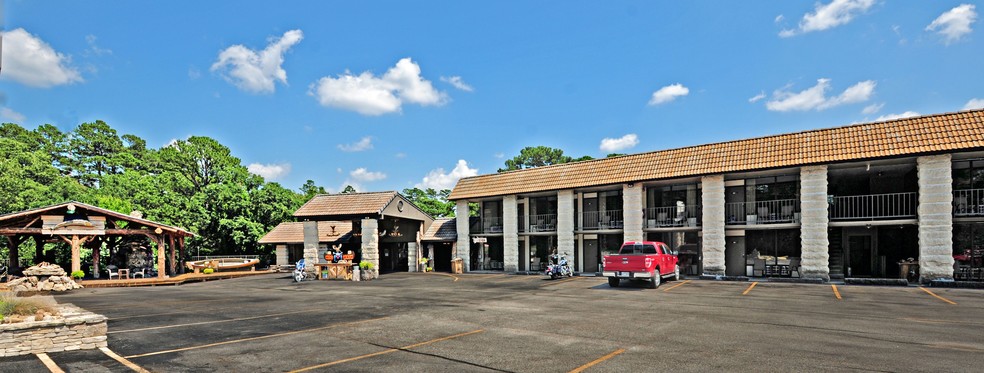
x,y
367,270
77,275
423,264
208,271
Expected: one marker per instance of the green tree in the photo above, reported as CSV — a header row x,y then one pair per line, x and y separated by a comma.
x,y
432,201
349,189
96,150
614,155
309,190
539,156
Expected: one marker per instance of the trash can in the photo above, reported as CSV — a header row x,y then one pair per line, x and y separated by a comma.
x,y
457,265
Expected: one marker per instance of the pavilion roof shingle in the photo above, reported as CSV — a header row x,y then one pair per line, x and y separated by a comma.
x,y
346,204
293,232
443,229
895,138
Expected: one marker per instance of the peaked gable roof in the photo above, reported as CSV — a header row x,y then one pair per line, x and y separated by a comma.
x,y
293,232
359,204
895,138
443,229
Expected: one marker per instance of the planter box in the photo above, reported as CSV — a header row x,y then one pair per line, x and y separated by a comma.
x,y
77,330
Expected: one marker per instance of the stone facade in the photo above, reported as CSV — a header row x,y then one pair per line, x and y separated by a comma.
x,y
815,257
935,214
77,330
712,210
370,242
565,223
510,234
632,212
464,237
413,263
310,245
282,258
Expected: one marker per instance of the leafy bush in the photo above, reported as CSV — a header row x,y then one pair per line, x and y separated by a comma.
x,y
208,271
364,265
78,274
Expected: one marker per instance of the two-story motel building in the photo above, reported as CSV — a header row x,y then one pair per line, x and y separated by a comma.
x,y
853,201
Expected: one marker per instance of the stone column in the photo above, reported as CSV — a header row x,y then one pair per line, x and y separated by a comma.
x,y
712,210
510,234
815,256
464,239
565,223
282,257
412,259
632,212
370,243
310,246
935,217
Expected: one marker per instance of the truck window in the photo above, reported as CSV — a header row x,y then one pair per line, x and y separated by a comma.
x,y
648,249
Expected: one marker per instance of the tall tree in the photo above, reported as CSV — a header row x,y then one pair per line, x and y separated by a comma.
x,y
97,150
349,189
309,190
431,201
538,156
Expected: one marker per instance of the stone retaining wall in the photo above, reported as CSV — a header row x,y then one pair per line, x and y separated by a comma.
x,y
77,330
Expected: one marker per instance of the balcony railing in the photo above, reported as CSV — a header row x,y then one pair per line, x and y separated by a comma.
x,y
600,220
673,216
874,206
762,212
542,223
488,225
968,202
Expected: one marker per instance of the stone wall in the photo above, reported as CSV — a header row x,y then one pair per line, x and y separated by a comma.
x,y
815,257
413,260
282,257
565,224
464,238
713,224
77,330
935,217
370,242
510,234
310,245
632,212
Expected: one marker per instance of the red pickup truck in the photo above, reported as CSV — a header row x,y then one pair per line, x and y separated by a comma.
x,y
647,260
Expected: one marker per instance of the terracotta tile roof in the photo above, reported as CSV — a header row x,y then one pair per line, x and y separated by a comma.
x,y
346,204
443,229
902,137
293,232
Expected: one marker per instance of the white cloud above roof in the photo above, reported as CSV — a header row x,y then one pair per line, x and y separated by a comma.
x,y
270,171
668,94
906,114
611,145
361,174
974,103
954,23
826,16
815,98
257,71
368,94
28,60
9,114
438,179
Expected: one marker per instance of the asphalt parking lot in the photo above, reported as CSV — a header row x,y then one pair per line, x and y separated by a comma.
x,y
493,322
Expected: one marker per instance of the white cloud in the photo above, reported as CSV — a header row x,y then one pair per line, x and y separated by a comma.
x,y
779,18
30,61
815,98
500,155
257,71
362,145
897,116
270,171
611,145
439,180
873,108
458,83
194,73
825,16
954,23
10,114
757,97
361,174
400,155
668,93
974,103
95,50
370,95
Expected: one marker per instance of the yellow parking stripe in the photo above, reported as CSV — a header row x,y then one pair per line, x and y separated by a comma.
x,y
676,286
360,357
122,360
836,293
937,296
445,274
750,288
50,364
598,360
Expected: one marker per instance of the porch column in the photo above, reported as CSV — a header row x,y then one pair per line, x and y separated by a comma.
x,y
935,214
565,223
38,249
282,258
161,255
311,244
815,256
14,252
96,246
510,234
464,238
712,210
632,212
76,243
370,243
172,267
413,261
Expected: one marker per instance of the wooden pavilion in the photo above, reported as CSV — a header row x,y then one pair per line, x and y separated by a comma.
x,y
80,224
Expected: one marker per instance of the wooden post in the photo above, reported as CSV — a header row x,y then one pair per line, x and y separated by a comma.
x,y
170,245
14,252
95,244
181,253
38,249
76,243
161,268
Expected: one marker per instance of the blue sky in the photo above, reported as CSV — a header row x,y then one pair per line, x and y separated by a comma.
x,y
389,95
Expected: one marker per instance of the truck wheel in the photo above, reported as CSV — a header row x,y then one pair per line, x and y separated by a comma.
x,y
676,273
613,282
655,280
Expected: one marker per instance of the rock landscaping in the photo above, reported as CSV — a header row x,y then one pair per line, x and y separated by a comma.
x,y
43,277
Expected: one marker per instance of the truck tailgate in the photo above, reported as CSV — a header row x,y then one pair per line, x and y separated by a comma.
x,y
629,263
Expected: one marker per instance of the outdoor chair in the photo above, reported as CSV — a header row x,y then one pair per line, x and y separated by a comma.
x,y
138,272
113,271
787,212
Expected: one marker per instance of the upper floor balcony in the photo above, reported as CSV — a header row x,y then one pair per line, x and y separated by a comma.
x,y
968,202
601,220
762,212
873,206
673,216
541,223
486,225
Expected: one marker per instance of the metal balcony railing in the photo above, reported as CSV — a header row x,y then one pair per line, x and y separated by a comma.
x,y
762,212
542,223
673,216
600,220
874,206
488,225
968,202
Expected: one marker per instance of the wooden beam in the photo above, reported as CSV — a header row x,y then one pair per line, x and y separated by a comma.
x,y
16,231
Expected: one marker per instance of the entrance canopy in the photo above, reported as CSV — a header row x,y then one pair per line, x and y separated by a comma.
x,y
79,224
